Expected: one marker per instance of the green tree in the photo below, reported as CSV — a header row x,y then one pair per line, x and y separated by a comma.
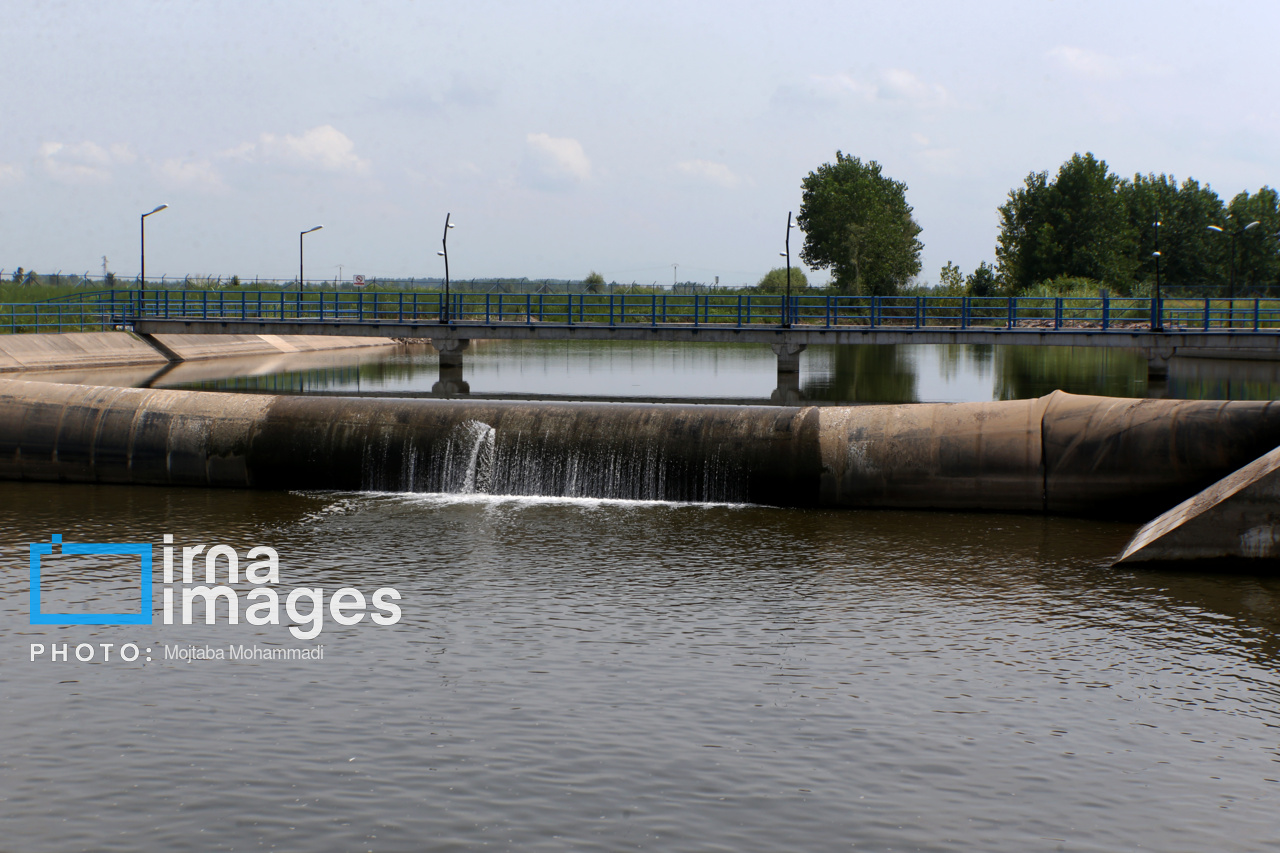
x,y
950,278
775,280
1257,261
594,282
858,224
982,281
1075,225
1190,254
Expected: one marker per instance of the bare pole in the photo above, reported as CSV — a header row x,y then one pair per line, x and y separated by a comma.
x,y
300,236
142,247
444,244
786,305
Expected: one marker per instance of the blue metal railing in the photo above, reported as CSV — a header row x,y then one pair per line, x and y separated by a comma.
x,y
110,309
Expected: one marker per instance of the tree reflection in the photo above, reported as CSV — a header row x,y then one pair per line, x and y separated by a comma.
x,y
870,373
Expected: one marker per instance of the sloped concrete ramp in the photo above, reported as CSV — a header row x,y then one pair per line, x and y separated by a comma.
x,y
1236,520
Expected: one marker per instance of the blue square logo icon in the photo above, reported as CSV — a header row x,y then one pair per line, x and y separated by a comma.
x,y
141,550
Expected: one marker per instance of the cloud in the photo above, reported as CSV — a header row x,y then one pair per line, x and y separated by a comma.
x,y
191,174
891,85
323,148
10,174
83,162
554,163
1101,67
710,172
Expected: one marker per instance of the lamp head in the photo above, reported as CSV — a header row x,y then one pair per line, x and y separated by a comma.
x,y
157,210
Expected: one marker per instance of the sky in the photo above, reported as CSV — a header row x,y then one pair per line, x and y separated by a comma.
x,y
567,137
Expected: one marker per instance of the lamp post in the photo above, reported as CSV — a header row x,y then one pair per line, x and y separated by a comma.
x,y
786,309
300,236
444,243
1231,293
142,244
1157,319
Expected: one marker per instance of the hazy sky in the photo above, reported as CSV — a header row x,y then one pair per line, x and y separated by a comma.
x,y
571,136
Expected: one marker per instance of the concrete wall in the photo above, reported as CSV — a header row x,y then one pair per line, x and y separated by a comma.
x,y
1060,454
112,349
75,349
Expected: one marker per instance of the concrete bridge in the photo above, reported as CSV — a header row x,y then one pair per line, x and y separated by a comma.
x,y
1218,328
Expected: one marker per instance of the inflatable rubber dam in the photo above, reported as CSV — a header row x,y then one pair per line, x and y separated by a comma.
x,y
1062,454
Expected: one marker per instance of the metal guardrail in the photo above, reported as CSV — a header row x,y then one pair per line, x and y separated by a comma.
x,y
111,309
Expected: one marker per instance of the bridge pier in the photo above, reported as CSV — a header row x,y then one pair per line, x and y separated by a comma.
x,y
1158,356
788,391
788,357
451,381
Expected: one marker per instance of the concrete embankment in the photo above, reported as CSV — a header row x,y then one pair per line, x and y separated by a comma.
x,y
1060,454
112,349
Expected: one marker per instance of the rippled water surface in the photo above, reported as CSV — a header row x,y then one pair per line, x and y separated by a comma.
x,y
586,675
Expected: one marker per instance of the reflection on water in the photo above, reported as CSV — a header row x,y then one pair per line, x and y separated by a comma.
x,y
724,373
598,675
743,373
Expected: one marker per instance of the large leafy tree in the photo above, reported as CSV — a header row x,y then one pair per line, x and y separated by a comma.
x,y
1075,225
1190,254
857,223
1257,260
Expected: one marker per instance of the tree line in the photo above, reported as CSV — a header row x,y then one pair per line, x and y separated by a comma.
x,y
1083,228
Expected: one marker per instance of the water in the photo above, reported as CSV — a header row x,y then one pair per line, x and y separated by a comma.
x,y
744,373
578,674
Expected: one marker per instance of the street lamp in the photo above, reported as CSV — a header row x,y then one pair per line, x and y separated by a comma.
x,y
786,310
142,273
1157,320
1231,293
444,242
300,236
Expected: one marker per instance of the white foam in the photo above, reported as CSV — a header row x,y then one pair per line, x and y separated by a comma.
x,y
460,498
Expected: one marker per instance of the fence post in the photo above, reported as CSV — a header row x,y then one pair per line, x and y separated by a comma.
x,y
1013,312
1057,312
1106,312
1255,314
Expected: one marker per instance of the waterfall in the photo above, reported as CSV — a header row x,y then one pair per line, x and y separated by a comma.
x,y
466,466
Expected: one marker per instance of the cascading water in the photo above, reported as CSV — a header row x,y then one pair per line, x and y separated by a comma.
x,y
466,465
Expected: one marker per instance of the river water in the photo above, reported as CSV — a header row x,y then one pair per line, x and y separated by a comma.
x,y
605,675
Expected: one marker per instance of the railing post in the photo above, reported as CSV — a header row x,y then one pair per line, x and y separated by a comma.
x,y
1013,313
695,309
739,309
871,310
1057,312
1106,312
1206,314
204,308
1255,314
